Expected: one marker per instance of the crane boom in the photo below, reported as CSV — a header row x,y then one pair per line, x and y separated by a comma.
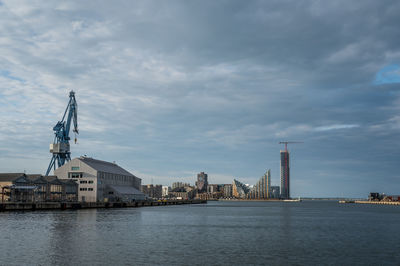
x,y
60,147
289,142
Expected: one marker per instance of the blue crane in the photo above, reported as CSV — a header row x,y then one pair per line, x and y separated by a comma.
x,y
60,147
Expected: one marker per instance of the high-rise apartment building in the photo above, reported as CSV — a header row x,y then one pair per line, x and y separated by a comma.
x,y
285,175
202,182
262,189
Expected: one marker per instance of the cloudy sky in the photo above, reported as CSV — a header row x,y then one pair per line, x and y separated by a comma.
x,y
171,88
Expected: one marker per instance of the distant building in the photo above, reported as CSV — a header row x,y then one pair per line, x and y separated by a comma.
x,y
212,188
227,190
285,175
153,191
165,190
239,190
187,192
262,189
101,181
275,192
179,184
202,182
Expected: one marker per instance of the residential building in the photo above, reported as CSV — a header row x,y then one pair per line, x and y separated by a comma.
x,y
179,184
202,182
285,175
212,188
101,181
275,192
262,189
165,190
239,190
153,191
187,192
227,191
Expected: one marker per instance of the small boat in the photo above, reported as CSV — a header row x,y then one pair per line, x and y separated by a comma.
x,y
292,200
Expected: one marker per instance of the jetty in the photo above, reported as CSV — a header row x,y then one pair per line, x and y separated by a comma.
x,y
371,202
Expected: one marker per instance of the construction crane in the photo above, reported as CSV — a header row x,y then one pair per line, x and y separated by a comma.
x,y
60,147
289,142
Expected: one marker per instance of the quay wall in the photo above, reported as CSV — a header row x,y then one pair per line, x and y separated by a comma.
x,y
31,206
371,202
378,202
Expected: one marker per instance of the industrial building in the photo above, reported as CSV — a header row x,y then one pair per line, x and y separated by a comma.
x,y
101,181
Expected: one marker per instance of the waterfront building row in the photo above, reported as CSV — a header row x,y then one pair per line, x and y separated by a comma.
x,y
20,187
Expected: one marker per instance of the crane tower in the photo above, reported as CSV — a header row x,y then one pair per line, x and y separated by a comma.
x,y
60,147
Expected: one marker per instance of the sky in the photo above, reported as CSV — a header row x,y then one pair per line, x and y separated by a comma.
x,y
168,89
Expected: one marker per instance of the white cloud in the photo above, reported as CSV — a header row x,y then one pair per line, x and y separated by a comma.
x,y
336,127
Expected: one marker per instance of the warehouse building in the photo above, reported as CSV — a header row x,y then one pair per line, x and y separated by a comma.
x,y
101,181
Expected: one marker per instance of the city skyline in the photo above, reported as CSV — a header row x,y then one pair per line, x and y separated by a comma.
x,y
171,89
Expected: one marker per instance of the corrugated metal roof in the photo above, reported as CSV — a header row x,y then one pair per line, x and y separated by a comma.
x,y
126,190
104,166
13,176
23,187
4,177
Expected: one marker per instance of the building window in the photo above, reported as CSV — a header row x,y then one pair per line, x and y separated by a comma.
x,y
83,182
75,168
90,189
83,189
75,175
90,181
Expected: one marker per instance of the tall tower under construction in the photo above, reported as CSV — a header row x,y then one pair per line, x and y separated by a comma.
x,y
285,175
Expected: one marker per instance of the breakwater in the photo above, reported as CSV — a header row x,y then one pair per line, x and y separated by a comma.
x,y
31,206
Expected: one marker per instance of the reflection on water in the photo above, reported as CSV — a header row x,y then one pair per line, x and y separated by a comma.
x,y
219,233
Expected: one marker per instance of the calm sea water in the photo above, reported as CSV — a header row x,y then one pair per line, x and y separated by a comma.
x,y
217,233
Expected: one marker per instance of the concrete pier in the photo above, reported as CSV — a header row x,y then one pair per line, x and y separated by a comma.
x,y
31,206
372,202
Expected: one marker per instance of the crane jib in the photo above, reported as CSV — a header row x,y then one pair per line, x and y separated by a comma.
x,y
60,148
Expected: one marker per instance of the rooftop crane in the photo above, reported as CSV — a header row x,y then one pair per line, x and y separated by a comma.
x,y
289,142
60,147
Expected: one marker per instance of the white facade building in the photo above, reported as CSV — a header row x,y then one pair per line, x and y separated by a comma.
x,y
101,181
164,191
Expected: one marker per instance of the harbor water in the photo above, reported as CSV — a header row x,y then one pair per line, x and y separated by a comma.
x,y
216,233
